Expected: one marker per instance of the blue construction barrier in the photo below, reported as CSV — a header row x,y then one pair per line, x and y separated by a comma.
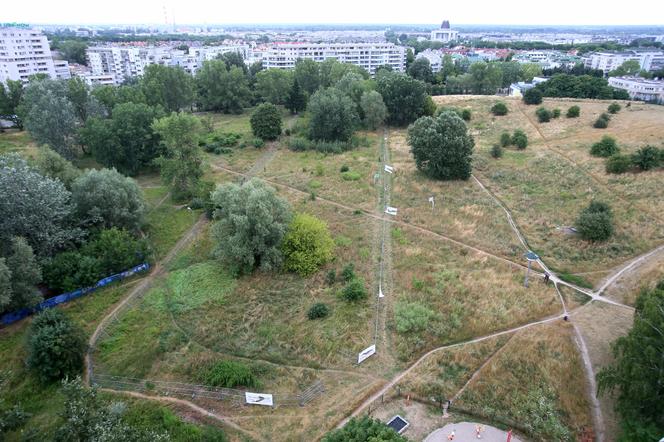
x,y
12,317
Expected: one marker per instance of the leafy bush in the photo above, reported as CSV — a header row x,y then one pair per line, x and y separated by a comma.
x,y
307,244
318,310
555,113
573,112
348,272
520,139
605,148
412,316
505,139
614,108
258,143
532,96
331,277
55,346
354,290
595,222
647,158
344,168
496,151
266,122
602,121
618,164
466,115
543,115
364,429
116,250
351,176
299,144
500,108
230,374
68,271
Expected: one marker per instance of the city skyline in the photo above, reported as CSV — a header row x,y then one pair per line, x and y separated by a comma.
x,y
424,12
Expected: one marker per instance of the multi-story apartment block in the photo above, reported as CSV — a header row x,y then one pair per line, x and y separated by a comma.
x,y
24,52
640,88
120,62
611,60
366,55
62,71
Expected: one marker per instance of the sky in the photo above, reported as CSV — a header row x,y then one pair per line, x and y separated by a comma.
x,y
509,12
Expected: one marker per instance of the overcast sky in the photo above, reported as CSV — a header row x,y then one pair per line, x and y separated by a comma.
x,y
524,12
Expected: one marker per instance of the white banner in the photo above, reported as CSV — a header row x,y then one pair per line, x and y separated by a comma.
x,y
369,351
391,210
389,169
258,399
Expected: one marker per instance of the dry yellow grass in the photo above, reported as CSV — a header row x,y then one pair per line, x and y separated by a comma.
x,y
645,276
600,324
537,375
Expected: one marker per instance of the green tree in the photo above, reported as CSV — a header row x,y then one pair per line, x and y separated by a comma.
x,y
364,429
605,148
55,346
167,86
647,158
500,108
420,69
222,89
595,222
181,166
374,109
332,116
442,147
234,59
532,96
520,139
5,287
505,139
404,97
251,221
85,104
307,245
353,85
614,108
602,122
115,250
105,198
573,112
266,122
49,116
25,275
618,164
296,101
629,67
487,77
10,99
307,73
53,165
126,141
73,51
274,85
636,373
530,71
34,207
71,270
543,115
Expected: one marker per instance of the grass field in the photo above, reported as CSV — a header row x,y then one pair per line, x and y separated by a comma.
x,y
529,384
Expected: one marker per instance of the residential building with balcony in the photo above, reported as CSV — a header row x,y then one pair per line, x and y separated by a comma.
x,y
366,55
24,52
640,88
607,61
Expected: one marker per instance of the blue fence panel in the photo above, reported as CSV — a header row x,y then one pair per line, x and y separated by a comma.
x,y
10,318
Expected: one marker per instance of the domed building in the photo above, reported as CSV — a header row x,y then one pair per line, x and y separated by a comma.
x,y
445,33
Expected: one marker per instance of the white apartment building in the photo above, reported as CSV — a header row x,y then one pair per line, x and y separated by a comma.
x,y
24,52
366,55
62,71
610,60
445,33
640,88
435,59
120,62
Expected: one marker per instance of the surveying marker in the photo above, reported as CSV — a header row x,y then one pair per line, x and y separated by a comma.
x,y
530,256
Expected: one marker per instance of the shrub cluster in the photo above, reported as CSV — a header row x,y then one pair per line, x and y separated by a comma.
x,y
464,114
605,148
573,112
318,311
496,151
220,142
301,144
646,158
499,109
518,139
614,108
230,374
532,96
544,115
602,122
595,222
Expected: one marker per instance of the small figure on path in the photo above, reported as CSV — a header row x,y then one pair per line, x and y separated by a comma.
x,y
509,435
478,431
546,277
452,435
565,317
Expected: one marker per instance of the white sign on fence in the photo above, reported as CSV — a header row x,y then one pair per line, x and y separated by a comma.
x,y
380,291
431,200
366,353
258,399
391,210
389,169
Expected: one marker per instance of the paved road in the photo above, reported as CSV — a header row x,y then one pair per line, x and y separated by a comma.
x,y
465,432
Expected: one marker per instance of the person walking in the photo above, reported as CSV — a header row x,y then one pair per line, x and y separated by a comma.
x,y
478,431
452,435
